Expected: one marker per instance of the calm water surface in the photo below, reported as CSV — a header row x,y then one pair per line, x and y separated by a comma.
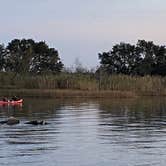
x,y
125,132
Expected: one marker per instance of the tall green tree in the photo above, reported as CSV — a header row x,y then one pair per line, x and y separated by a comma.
x,y
3,53
45,59
144,58
160,61
20,53
26,55
147,57
121,59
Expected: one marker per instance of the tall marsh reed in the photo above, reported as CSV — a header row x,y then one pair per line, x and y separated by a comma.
x,y
147,85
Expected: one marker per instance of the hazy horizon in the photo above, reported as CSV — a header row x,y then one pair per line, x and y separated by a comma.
x,y
81,29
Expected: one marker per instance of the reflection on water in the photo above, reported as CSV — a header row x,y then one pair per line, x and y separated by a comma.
x,y
85,133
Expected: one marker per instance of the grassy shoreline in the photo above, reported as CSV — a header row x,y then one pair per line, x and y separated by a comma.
x,y
81,85
52,93
66,93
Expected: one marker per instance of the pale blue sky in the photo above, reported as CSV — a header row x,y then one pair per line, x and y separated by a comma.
x,y
83,28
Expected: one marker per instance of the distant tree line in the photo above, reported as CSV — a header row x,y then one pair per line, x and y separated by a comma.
x,y
27,56
144,58
23,56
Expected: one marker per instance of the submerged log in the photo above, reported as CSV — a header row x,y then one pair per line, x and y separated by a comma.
x,y
13,121
3,122
35,122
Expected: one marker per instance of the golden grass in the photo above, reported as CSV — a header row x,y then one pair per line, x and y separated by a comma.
x,y
66,93
82,85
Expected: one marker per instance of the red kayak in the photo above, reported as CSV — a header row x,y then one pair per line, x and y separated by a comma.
x,y
11,102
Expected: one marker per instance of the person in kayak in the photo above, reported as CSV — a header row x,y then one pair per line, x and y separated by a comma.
x,y
5,99
15,98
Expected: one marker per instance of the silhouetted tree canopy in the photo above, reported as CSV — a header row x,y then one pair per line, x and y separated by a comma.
x,y
2,57
144,58
28,56
45,59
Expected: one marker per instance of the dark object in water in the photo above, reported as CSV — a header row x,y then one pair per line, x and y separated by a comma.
x,y
35,122
13,121
3,122
10,121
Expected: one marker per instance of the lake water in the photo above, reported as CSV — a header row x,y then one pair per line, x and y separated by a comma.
x,y
85,132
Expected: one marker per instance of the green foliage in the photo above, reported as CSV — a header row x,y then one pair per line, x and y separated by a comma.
x,y
27,56
2,55
19,55
144,58
45,59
